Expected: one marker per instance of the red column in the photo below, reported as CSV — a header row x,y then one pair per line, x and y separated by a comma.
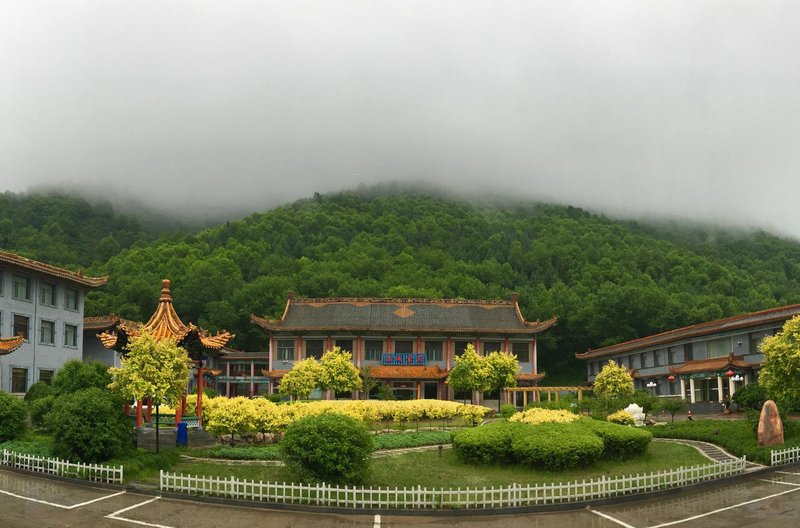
x,y
299,354
177,414
358,352
449,351
478,346
139,413
419,344
330,343
183,402
506,345
388,344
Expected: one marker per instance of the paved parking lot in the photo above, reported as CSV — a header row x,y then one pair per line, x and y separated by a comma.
x,y
28,501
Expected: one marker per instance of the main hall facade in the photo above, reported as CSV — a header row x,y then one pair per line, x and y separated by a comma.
x,y
408,344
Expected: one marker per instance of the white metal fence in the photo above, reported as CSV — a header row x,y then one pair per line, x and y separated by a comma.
x,y
63,468
785,456
424,498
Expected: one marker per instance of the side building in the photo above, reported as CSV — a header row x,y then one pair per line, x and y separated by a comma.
x,y
705,362
44,305
408,344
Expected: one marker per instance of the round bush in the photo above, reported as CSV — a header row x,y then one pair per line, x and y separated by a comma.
x,y
38,390
621,418
487,444
328,447
89,426
619,441
507,410
76,375
556,446
13,417
39,409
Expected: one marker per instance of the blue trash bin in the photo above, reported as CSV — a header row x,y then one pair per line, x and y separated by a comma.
x,y
182,438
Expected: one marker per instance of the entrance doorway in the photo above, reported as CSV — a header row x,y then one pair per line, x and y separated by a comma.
x,y
430,390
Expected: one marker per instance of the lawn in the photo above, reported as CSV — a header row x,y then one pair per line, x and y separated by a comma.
x,y
429,470
735,436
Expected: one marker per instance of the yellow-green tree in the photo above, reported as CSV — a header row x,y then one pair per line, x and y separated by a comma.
x,y
613,381
470,372
780,374
502,369
304,377
338,373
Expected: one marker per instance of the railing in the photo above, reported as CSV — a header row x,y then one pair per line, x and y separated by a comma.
x,y
63,468
785,456
424,498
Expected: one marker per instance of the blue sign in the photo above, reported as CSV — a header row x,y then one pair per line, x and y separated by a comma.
x,y
404,359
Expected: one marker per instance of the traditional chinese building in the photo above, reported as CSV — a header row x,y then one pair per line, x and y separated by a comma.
x,y
408,344
705,362
165,324
41,319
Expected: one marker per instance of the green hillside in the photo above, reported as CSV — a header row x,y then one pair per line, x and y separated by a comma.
x,y
607,280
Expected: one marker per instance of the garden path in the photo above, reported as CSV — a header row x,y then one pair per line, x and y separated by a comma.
x,y
712,452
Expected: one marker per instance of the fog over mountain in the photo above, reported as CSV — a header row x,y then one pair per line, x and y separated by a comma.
x,y
678,109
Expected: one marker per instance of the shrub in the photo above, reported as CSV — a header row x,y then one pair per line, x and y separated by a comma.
x,y
750,396
674,406
39,409
620,442
38,390
13,417
76,375
538,416
329,447
556,446
88,426
507,410
621,418
487,444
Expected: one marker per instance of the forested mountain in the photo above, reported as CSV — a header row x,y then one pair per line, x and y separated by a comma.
x,y
607,280
66,230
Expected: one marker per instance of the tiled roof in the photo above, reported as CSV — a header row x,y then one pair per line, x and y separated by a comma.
x,y
106,322
10,344
26,264
737,322
402,315
238,355
391,372
164,324
712,364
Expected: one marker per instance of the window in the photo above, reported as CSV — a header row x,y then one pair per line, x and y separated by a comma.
x,y
21,324
48,296
22,288
345,345
755,342
315,348
373,349
491,346
46,376
19,380
647,359
404,347
718,347
688,352
459,347
47,333
286,349
658,355
71,299
1,283
522,351
70,336
433,350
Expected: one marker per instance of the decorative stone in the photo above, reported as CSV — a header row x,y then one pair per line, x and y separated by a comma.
x,y
637,412
770,427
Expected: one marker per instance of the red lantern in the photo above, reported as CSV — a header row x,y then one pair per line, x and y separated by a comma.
x,y
671,378
730,373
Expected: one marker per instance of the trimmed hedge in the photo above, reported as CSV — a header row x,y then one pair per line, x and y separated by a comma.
x,y
552,446
620,442
549,446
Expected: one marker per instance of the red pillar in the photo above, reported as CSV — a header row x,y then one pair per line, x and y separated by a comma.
x,y
183,404
138,413
177,414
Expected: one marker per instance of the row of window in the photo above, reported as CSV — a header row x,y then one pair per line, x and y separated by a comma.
x,y
47,330
48,293
19,378
375,348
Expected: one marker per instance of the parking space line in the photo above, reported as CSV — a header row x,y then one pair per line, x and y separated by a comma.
x,y
787,473
377,522
724,509
779,482
62,506
115,516
612,519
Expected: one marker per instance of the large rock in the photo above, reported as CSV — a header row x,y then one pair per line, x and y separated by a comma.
x,y
770,427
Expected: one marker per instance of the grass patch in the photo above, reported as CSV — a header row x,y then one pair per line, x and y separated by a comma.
x,y
735,436
401,440
428,470
145,465
31,444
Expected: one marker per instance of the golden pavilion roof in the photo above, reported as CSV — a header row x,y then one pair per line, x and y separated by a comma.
x,y
10,344
164,324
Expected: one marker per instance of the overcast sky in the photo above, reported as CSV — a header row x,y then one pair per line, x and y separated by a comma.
x,y
680,108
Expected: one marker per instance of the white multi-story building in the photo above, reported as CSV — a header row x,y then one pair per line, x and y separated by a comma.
x,y
43,305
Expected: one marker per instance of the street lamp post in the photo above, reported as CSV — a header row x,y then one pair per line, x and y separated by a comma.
x,y
652,386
